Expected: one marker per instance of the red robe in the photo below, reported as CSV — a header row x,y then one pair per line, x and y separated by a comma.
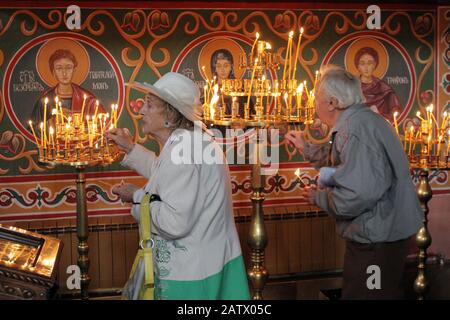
x,y
380,94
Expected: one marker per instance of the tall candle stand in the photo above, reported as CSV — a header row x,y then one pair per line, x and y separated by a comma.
x,y
276,102
427,148
80,143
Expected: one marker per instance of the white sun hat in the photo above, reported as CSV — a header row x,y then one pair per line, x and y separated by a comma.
x,y
177,90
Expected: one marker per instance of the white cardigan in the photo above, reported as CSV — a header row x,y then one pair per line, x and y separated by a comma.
x,y
193,225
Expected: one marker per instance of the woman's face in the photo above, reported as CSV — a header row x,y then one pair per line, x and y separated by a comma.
x,y
223,68
153,119
63,70
366,65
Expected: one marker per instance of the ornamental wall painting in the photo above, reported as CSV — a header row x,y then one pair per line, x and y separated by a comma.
x,y
116,46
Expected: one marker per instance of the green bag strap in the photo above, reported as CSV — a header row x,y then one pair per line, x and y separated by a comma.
x,y
146,242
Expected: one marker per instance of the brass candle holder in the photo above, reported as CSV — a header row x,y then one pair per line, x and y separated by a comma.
x,y
78,142
427,150
276,102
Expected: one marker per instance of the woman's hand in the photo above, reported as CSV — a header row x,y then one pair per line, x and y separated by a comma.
x,y
122,138
125,191
297,139
309,194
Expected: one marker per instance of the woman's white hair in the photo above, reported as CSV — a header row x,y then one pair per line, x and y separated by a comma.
x,y
341,84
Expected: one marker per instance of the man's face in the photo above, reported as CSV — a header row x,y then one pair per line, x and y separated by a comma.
x,y
63,70
322,104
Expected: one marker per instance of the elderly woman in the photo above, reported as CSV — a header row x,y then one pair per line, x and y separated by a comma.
x,y
197,254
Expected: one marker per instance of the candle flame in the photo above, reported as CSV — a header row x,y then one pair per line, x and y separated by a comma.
x,y
300,88
46,100
41,125
268,46
56,99
30,122
96,102
291,34
54,111
301,30
84,96
418,114
395,114
257,35
297,172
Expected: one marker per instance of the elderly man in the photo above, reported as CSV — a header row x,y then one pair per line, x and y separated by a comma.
x,y
365,185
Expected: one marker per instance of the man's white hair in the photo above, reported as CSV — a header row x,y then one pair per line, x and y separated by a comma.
x,y
341,84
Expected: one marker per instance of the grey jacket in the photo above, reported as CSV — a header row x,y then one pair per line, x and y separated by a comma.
x,y
373,198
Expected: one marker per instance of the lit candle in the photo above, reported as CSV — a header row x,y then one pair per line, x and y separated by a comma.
x,y
62,113
96,108
432,115
428,144
286,58
205,98
82,107
67,135
439,146
34,133
52,140
288,111
290,55
44,136
234,108
89,130
448,141
41,126
247,107
395,121
299,98
444,121
55,113
297,173
297,52
254,44
411,133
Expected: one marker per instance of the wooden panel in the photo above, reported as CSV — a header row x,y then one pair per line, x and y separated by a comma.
x,y
119,271
105,254
131,247
243,236
283,255
294,245
74,240
305,244
316,243
271,249
329,244
94,261
66,254
340,251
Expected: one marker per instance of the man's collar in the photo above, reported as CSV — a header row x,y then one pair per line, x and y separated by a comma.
x,y
345,115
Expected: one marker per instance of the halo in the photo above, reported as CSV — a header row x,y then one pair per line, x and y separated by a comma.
x,y
47,49
204,58
383,57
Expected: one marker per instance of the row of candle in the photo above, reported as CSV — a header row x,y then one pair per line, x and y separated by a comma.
x,y
430,136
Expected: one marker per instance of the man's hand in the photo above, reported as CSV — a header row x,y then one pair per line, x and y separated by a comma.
x,y
122,138
297,139
309,194
125,191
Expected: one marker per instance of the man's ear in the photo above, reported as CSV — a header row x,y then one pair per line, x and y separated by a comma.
x,y
333,104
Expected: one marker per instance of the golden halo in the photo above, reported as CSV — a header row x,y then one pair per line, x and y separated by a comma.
x,y
47,49
204,58
383,57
